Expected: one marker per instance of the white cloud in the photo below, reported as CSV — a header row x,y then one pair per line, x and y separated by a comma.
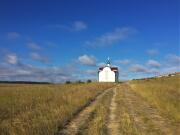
x,y
74,26
123,74
5,71
12,59
153,63
138,68
24,72
101,64
87,60
50,44
170,69
91,72
37,57
173,59
123,62
110,38
13,35
152,52
34,46
78,26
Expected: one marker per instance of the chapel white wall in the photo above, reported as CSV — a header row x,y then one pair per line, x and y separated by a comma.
x,y
106,75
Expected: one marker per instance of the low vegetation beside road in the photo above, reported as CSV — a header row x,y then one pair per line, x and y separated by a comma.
x,y
28,109
138,107
163,93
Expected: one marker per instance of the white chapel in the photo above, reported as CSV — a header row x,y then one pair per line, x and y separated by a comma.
x,y
108,73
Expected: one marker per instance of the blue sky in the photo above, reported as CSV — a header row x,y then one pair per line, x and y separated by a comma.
x,y
68,40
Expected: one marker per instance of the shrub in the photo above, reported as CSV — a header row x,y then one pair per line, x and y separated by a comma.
x,y
89,81
68,82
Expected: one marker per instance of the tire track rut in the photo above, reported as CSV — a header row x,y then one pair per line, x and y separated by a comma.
x,y
113,123
146,118
73,127
129,114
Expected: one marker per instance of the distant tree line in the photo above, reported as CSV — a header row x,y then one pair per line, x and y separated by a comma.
x,y
24,82
79,81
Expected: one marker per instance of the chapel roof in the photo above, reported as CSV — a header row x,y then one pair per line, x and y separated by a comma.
x,y
108,64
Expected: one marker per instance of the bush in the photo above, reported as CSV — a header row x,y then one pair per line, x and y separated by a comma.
x,y
68,82
79,81
89,81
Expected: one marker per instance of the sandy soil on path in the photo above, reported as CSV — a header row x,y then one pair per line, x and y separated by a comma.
x,y
73,127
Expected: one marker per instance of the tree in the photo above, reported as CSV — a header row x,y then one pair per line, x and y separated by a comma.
x,y
79,81
89,81
68,82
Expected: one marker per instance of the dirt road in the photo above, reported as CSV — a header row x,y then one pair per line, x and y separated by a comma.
x,y
128,114
74,127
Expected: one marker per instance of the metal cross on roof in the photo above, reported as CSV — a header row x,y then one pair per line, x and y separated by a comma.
x,y
108,61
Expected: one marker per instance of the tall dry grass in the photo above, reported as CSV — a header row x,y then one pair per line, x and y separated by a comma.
x,y
163,93
40,109
124,115
97,122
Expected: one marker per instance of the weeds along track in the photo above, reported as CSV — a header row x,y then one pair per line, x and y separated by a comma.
x,y
112,122
28,109
119,111
93,109
137,116
81,119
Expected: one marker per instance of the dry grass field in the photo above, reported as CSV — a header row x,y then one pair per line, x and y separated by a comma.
x,y
163,93
138,107
136,115
92,119
27,109
124,110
